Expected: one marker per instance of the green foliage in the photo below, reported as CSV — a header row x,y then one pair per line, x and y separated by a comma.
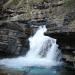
x,y
36,1
15,1
69,3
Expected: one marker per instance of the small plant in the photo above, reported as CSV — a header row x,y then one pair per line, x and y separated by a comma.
x,y
36,1
15,1
69,3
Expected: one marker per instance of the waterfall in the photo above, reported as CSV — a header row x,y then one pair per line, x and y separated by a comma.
x,y
43,52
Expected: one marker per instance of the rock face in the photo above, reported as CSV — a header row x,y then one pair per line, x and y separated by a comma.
x,y
23,10
66,41
16,16
13,39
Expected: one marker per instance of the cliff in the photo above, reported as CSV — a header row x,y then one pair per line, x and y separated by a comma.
x,y
57,15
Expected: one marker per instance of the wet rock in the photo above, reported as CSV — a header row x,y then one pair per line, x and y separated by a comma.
x,y
65,39
69,65
10,25
14,39
42,5
69,17
25,46
10,71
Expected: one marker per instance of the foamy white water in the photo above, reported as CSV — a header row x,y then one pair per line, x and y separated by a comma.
x,y
43,52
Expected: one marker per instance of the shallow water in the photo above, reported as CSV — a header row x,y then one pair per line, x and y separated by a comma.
x,y
57,70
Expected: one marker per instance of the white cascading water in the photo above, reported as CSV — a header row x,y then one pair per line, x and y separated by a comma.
x,y
43,52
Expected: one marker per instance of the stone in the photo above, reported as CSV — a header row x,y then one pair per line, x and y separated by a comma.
x,y
15,41
69,17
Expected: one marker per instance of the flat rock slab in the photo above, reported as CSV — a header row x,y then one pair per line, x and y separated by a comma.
x,y
9,71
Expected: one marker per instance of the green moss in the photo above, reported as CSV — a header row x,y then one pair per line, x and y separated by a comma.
x,y
36,1
15,1
69,3
10,3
